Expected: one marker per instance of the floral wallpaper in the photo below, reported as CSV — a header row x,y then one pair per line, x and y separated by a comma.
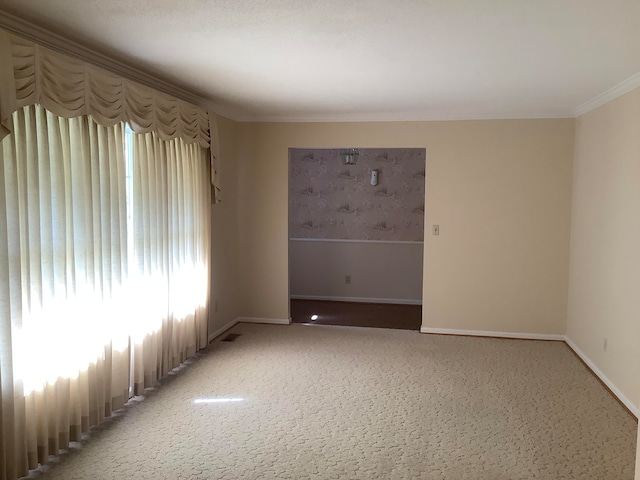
x,y
330,200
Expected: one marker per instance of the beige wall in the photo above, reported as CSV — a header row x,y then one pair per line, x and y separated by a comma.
x,y
604,289
638,456
380,271
224,234
500,191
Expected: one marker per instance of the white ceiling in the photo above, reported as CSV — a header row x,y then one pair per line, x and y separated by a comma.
x,y
365,59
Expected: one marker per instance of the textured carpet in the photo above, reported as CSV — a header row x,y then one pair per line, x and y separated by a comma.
x,y
319,402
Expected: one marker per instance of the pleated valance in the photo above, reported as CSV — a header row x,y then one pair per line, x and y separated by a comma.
x,y
32,74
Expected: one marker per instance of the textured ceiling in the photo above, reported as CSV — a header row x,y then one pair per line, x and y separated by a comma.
x,y
365,59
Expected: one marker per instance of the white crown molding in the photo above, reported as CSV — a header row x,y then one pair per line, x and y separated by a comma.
x,y
396,117
66,46
63,45
227,111
618,90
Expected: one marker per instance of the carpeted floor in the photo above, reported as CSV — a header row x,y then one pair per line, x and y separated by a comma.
x,y
321,402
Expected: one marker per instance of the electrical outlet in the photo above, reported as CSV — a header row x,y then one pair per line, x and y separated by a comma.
x,y
436,229
604,345
347,279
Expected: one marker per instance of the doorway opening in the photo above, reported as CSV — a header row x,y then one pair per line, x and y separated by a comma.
x,y
356,236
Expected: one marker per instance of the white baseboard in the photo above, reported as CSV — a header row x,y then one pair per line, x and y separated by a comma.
x,y
635,410
615,390
486,333
396,301
271,321
221,330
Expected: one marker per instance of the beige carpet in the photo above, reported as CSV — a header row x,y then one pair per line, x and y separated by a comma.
x,y
321,402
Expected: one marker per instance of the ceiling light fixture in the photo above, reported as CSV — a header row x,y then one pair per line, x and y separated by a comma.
x,y
349,156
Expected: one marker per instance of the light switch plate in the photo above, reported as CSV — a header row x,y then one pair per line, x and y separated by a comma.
x,y
436,229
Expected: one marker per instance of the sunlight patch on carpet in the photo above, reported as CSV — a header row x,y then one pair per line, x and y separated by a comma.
x,y
216,400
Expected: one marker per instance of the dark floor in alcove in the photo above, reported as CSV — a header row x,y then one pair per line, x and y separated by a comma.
x,y
377,315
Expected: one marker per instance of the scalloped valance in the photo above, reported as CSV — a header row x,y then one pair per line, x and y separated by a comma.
x,y
33,74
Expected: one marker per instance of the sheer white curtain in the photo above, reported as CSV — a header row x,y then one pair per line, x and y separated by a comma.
x,y
171,198
104,288
86,316
63,260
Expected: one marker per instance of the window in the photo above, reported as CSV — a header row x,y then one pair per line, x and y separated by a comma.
x,y
104,237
